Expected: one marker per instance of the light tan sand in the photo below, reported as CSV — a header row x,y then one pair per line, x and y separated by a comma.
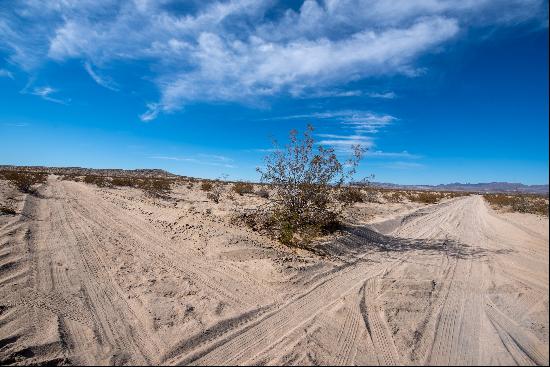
x,y
109,276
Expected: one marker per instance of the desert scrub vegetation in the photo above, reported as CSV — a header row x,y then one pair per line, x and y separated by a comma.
x,y
8,210
242,188
151,186
154,186
393,197
24,181
351,195
306,180
206,186
213,190
522,203
263,193
100,181
425,197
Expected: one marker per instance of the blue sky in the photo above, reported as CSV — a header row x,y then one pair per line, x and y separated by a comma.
x,y
439,91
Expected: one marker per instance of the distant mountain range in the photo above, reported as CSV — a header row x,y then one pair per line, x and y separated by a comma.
x,y
490,187
92,171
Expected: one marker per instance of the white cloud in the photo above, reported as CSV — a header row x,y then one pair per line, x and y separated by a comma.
x,y
385,95
202,159
363,125
237,50
403,154
333,93
46,94
345,143
105,82
151,113
361,121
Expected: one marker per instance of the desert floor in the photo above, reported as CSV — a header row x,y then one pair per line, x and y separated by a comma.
x,y
111,276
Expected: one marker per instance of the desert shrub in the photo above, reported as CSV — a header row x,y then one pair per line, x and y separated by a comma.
x,y
263,193
71,177
242,188
124,181
370,195
521,203
24,181
351,195
206,186
455,194
424,197
100,181
393,197
303,180
4,209
214,195
154,186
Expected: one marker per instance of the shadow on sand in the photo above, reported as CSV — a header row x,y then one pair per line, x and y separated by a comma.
x,y
360,240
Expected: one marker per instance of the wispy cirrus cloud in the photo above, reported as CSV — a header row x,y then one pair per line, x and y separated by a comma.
x,y
104,81
403,155
15,124
243,50
361,121
384,95
46,93
355,127
202,159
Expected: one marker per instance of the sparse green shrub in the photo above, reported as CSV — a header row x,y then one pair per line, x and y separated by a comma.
x,y
242,188
304,180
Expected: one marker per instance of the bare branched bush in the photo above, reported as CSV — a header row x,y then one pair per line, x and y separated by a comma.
x,y
304,181
24,181
215,194
242,188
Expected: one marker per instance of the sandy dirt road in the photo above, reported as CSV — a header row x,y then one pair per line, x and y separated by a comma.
x,y
85,278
